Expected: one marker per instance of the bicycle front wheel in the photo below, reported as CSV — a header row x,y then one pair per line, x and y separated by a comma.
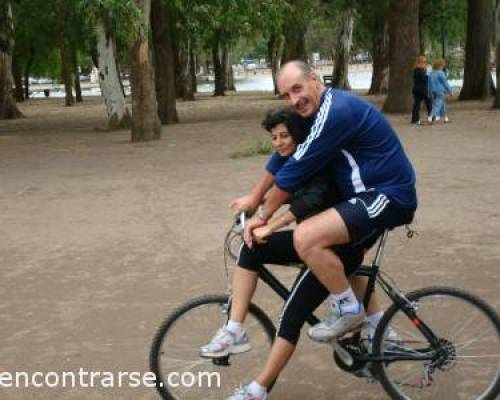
x,y
467,365
174,358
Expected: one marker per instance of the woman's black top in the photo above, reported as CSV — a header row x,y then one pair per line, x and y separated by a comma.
x,y
420,81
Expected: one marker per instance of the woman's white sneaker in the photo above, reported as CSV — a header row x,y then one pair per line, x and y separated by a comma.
x,y
225,343
243,393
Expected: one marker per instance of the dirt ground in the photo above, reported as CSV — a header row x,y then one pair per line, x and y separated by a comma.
x,y
101,238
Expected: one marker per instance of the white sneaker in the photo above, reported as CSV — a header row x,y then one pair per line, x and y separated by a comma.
x,y
438,117
429,119
337,323
242,393
225,343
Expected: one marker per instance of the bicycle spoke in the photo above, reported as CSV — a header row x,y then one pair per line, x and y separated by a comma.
x,y
462,327
473,340
467,364
193,326
413,333
481,357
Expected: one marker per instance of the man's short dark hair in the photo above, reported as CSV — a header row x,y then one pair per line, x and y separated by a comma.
x,y
304,67
295,124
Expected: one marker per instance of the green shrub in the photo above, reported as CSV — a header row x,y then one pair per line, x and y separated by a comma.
x,y
262,147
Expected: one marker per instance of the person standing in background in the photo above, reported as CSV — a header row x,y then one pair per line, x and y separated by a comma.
x,y
420,90
439,87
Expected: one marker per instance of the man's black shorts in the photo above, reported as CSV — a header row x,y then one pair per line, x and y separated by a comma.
x,y
368,214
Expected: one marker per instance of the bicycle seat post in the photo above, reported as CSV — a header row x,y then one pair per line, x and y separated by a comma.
x,y
380,249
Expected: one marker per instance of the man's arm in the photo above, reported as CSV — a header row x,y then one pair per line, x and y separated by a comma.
x,y
328,134
310,200
275,198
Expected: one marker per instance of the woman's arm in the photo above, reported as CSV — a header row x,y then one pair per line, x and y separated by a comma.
x,y
261,233
310,200
250,202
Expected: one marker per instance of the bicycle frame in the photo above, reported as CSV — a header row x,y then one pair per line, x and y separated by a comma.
x,y
372,272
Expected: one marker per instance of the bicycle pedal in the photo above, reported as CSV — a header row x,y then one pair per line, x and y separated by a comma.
x,y
344,354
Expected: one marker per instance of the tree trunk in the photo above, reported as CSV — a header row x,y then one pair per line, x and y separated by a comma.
x,y
294,47
380,57
403,50
274,49
145,122
66,67
186,71
206,65
18,79
179,63
164,64
477,51
27,70
8,107
229,76
192,70
294,30
421,24
219,70
116,109
118,70
76,69
343,51
496,103
182,71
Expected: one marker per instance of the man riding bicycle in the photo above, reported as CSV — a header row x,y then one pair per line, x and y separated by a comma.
x,y
366,162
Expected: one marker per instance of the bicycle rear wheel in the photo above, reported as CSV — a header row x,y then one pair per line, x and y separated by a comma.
x,y
174,358
468,365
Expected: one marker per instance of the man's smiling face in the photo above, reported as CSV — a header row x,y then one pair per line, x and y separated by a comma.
x,y
302,93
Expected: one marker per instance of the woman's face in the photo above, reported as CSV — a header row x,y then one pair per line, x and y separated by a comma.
x,y
282,141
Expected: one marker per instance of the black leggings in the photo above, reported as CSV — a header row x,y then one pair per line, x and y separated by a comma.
x,y
417,101
307,292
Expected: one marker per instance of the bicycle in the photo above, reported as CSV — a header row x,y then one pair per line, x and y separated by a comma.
x,y
435,354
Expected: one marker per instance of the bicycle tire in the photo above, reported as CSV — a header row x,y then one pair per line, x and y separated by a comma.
x,y
459,373
166,339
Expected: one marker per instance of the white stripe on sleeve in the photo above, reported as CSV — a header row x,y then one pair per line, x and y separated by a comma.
x,y
317,127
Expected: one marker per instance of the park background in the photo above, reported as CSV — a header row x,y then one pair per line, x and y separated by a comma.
x,y
105,230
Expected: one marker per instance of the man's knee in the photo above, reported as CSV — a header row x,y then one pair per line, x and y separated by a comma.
x,y
302,245
308,243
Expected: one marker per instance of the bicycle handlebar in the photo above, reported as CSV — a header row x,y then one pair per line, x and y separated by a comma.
x,y
241,219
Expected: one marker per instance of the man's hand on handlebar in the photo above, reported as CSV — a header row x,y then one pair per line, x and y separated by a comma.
x,y
261,234
250,226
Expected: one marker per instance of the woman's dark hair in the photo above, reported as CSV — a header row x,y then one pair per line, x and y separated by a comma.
x,y
295,124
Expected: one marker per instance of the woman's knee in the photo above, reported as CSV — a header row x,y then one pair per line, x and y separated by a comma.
x,y
289,330
248,259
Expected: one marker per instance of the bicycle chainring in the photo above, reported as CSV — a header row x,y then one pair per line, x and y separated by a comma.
x,y
354,349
